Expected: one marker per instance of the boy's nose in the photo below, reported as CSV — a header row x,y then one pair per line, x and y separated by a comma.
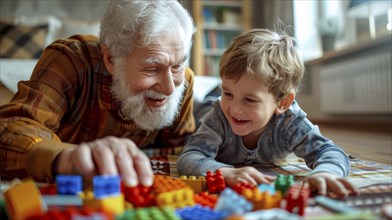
x,y
236,108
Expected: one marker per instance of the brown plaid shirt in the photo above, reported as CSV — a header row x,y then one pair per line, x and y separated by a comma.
x,y
68,101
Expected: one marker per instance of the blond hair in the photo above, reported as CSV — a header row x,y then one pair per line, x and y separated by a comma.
x,y
266,55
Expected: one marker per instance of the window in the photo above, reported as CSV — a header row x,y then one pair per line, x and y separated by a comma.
x,y
350,22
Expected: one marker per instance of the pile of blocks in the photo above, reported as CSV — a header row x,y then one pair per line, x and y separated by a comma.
x,y
168,198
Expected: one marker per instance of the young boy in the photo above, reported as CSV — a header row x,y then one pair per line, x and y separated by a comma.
x,y
257,119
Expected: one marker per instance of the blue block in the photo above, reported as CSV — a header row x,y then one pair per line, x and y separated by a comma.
x,y
68,184
198,212
230,203
104,186
267,187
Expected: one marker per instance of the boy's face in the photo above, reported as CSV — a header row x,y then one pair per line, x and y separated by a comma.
x,y
247,105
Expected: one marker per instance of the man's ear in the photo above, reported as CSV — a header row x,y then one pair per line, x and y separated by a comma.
x,y
285,103
107,58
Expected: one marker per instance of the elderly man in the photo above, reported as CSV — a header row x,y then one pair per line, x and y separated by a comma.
x,y
91,104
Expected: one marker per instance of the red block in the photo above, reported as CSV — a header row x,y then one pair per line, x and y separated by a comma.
x,y
296,199
139,196
215,182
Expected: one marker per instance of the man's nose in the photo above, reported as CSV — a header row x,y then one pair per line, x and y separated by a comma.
x,y
166,84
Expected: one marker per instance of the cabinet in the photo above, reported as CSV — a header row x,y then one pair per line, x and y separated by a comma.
x,y
217,22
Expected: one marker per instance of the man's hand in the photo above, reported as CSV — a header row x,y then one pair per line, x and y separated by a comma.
x,y
324,183
107,156
245,175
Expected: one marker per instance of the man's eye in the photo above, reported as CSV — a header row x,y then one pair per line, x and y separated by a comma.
x,y
178,67
152,70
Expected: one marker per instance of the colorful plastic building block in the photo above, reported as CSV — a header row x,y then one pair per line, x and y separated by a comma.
x,y
161,213
172,192
267,187
139,196
215,181
62,201
74,214
69,184
239,187
176,198
92,216
198,212
23,200
198,184
262,200
227,205
296,199
106,186
283,182
206,199
109,204
166,184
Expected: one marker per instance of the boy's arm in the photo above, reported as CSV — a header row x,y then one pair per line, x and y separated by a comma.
x,y
329,162
319,152
202,147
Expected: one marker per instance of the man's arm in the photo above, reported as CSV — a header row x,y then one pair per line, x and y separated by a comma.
x,y
28,123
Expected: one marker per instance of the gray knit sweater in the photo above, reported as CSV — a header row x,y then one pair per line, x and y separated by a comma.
x,y
214,145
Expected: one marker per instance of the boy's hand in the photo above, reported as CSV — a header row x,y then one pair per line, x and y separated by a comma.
x,y
245,175
324,183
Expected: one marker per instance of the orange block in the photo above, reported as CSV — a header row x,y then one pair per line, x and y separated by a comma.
x,y
23,200
167,183
262,200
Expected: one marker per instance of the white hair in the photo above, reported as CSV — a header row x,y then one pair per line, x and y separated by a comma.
x,y
130,23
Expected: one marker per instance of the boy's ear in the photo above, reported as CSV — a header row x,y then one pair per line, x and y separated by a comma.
x,y
107,58
285,103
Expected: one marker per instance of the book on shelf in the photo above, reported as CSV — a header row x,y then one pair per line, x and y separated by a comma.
x,y
211,65
215,39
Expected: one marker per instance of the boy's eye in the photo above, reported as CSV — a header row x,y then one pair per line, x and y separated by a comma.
x,y
227,94
250,100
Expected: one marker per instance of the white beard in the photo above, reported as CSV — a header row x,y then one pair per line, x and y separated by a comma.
x,y
133,106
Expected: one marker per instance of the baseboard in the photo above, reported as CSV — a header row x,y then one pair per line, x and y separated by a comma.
x,y
365,126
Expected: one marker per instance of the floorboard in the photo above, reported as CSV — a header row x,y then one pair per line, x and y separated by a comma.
x,y
367,145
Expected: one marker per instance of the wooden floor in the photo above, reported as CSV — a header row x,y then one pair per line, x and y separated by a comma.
x,y
363,144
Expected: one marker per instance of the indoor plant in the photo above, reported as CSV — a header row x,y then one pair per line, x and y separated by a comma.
x,y
328,29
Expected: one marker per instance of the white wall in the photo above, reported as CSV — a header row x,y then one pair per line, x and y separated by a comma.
x,y
72,9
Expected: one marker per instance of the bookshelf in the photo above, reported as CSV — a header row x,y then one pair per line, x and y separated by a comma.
x,y
217,22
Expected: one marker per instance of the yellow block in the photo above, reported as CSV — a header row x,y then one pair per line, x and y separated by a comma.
x,y
198,184
177,198
111,204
